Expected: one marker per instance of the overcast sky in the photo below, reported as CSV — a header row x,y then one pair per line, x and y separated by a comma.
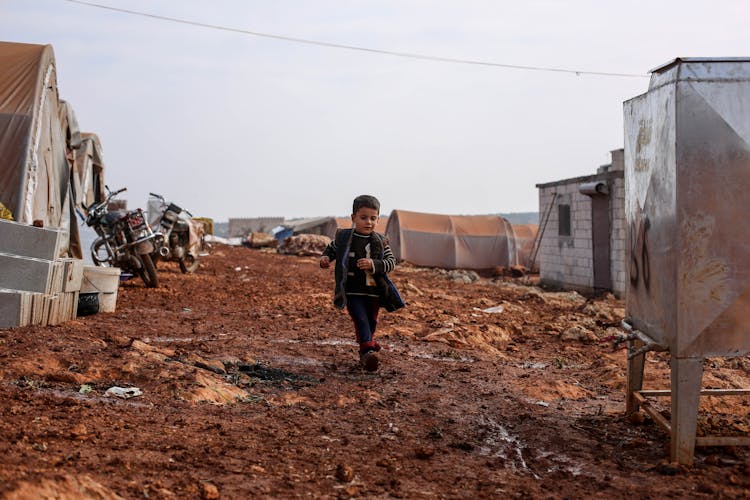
x,y
235,125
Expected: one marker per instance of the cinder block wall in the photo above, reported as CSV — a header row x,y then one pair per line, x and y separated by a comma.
x,y
566,261
618,237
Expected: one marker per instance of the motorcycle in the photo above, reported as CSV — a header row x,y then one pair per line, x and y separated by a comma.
x,y
125,239
178,243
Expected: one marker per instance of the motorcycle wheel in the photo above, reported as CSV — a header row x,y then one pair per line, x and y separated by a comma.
x,y
147,272
99,254
188,264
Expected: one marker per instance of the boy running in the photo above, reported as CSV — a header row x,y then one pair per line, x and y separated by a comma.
x,y
363,261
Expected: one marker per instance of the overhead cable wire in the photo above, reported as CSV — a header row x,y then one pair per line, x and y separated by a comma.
x,y
355,47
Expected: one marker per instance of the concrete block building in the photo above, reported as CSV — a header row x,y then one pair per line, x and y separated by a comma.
x,y
241,227
583,234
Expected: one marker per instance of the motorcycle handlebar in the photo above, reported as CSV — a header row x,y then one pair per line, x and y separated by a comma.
x,y
95,206
164,200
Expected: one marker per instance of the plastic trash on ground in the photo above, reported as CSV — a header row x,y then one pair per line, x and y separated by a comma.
x,y
123,392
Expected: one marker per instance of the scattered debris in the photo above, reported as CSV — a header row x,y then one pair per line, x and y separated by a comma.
x,y
261,240
304,244
123,392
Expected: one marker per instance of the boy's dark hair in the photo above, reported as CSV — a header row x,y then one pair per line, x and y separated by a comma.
x,y
366,201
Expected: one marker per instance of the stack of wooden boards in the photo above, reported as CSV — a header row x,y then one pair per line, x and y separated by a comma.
x,y
36,286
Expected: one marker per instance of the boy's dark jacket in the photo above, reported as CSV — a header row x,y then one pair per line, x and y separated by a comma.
x,y
387,292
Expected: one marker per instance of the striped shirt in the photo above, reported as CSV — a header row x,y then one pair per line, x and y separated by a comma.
x,y
383,266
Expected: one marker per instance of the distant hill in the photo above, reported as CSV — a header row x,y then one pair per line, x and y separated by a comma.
x,y
522,217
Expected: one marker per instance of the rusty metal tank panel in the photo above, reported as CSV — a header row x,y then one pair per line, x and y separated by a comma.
x,y
687,183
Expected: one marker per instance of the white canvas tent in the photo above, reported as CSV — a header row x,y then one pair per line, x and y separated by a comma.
x,y
37,136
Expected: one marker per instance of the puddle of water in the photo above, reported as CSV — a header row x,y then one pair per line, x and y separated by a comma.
x,y
498,442
315,342
340,342
149,340
444,359
292,360
533,366
561,463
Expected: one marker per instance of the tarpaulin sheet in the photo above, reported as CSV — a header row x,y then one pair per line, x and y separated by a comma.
x,y
452,241
34,170
315,225
88,172
525,235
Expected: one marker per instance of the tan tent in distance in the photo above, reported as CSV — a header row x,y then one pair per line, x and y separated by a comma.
x,y
525,235
453,241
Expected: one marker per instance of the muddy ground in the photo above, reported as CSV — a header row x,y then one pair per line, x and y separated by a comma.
x,y
251,389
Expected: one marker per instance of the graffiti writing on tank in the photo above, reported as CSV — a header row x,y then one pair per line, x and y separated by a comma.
x,y
643,146
640,267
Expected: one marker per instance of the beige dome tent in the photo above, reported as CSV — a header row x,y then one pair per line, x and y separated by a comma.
x,y
452,241
525,235
37,136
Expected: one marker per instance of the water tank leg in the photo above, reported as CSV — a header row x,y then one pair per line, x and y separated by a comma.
x,y
686,390
635,375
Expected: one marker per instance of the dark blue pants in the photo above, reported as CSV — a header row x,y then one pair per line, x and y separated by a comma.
x,y
364,313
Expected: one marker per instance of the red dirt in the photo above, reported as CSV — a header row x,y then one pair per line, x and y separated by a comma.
x,y
251,388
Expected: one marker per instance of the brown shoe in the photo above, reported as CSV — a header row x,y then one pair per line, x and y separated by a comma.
x,y
369,361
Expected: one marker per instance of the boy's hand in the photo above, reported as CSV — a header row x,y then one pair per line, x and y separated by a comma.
x,y
325,262
365,265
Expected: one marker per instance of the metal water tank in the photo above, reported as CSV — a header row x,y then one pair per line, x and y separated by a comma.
x,y
687,180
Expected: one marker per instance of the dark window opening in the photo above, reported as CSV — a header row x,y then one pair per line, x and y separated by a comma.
x,y
563,212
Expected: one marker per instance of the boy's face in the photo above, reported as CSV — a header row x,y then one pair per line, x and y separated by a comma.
x,y
364,220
